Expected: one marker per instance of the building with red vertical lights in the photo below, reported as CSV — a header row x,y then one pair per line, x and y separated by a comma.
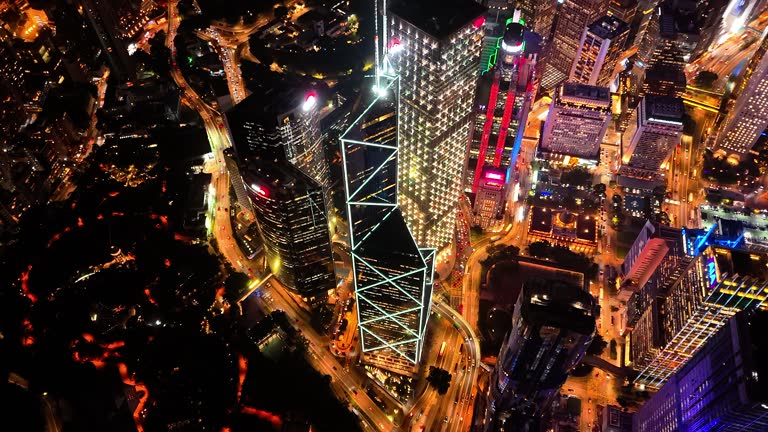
x,y
505,93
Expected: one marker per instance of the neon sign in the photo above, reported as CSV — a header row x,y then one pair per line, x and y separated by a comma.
x,y
494,176
712,271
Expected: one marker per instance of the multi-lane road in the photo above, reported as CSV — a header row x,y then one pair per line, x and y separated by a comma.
x,y
723,58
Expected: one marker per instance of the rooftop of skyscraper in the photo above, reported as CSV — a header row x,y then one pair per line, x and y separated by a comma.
x,y
608,27
273,99
439,18
274,178
664,108
558,304
585,93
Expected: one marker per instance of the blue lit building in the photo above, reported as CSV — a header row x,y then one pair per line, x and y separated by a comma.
x,y
724,274
552,326
720,387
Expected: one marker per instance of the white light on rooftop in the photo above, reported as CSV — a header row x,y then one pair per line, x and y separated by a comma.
x,y
309,102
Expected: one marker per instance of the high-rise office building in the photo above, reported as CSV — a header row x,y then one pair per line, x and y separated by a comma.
x,y
653,133
663,81
748,116
645,12
577,121
292,222
720,388
505,95
543,18
724,275
601,46
280,122
439,44
552,326
671,38
654,263
392,275
572,17
623,9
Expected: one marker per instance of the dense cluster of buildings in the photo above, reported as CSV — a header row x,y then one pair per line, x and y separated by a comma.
x,y
454,86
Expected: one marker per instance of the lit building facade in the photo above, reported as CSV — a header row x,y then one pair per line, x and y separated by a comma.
x,y
438,61
623,9
653,132
748,117
601,46
281,123
572,17
490,197
552,326
725,276
505,94
291,217
654,264
392,275
719,389
577,121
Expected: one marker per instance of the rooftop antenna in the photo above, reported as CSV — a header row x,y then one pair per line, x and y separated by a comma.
x,y
376,43
381,45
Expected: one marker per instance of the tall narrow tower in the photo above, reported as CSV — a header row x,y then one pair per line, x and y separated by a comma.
x,y
505,94
440,43
392,275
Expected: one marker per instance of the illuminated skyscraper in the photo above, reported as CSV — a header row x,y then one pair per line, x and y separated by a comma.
x,y
552,326
748,116
392,275
505,94
292,221
572,17
280,122
724,276
623,9
438,52
577,121
599,51
653,132
720,388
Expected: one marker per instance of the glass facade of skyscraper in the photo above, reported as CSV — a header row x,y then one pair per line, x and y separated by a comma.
x,y
392,275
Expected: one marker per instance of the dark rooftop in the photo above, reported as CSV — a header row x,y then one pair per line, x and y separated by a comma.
x,y
585,91
558,304
438,18
278,178
270,101
608,27
664,107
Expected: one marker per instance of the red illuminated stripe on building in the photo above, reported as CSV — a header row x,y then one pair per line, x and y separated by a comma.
x,y
486,131
509,104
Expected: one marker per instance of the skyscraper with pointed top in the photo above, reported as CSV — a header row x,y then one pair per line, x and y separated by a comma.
x,y
392,274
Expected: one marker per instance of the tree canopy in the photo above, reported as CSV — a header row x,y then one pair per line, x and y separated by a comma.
x,y
440,379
